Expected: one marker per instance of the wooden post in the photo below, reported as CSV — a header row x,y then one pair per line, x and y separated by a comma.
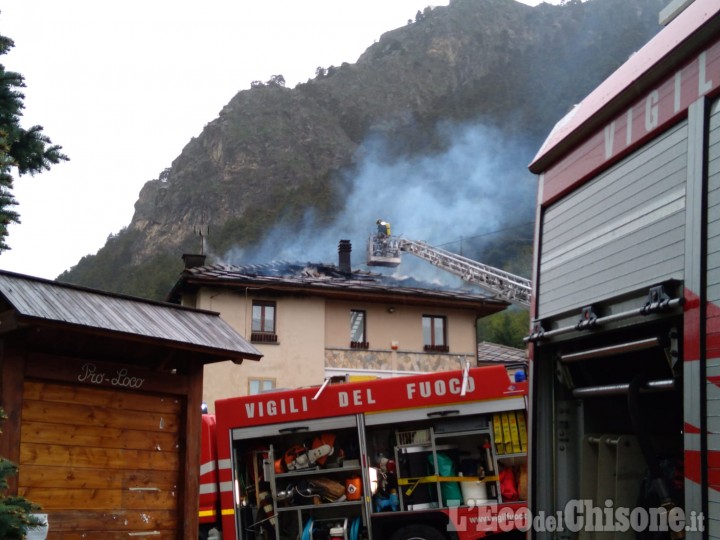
x,y
13,374
193,429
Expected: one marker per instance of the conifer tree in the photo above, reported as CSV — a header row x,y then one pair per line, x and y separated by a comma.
x,y
27,151
15,512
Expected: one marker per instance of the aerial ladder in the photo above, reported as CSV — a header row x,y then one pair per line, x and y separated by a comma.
x,y
385,250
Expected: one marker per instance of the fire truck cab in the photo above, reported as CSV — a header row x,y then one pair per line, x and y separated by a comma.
x,y
432,456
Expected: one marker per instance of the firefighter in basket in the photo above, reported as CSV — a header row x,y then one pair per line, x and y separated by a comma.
x,y
383,228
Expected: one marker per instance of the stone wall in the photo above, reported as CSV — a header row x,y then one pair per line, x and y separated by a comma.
x,y
374,360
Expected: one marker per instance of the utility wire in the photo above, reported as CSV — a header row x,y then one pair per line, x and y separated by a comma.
x,y
485,234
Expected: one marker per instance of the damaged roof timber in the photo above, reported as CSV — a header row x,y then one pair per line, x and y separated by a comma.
x,y
330,282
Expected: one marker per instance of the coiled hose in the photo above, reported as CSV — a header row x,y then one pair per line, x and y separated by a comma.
x,y
354,529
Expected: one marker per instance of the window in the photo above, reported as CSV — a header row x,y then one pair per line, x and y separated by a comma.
x,y
434,337
263,322
255,386
357,329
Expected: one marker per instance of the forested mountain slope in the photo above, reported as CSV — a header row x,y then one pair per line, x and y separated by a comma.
x,y
431,128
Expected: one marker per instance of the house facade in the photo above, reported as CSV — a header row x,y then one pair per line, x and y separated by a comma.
x,y
313,321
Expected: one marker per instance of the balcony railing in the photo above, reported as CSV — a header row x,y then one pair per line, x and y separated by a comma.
x,y
436,348
263,337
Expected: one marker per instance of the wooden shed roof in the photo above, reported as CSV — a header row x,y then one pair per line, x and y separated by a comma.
x,y
38,302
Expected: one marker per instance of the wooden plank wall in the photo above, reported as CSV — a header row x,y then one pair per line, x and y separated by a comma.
x,y
101,462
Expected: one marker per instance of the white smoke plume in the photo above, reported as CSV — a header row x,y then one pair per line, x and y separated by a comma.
x,y
479,185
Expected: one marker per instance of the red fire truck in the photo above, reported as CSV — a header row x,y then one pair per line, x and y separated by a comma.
x,y
430,456
625,345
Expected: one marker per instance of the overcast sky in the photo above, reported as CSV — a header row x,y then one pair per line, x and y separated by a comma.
x,y
123,86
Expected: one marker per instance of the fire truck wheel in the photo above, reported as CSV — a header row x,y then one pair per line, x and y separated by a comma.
x,y
418,532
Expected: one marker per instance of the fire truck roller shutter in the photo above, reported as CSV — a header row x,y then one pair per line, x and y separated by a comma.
x,y
621,231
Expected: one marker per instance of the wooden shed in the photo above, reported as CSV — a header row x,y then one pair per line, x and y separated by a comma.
x,y
103,395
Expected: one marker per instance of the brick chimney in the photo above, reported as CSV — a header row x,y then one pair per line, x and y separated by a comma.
x,y
344,250
193,260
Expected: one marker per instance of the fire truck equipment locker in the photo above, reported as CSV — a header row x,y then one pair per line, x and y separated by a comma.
x,y
398,458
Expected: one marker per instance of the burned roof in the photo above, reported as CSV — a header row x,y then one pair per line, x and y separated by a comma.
x,y
331,282
32,301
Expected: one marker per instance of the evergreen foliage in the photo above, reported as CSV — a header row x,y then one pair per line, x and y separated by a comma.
x,y
15,512
506,328
28,151
113,269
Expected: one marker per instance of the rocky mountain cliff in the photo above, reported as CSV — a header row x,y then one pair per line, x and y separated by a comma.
x,y
432,128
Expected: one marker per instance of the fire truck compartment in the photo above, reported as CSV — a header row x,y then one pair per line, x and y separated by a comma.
x,y
616,416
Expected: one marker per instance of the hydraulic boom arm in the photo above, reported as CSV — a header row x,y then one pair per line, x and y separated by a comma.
x,y
385,251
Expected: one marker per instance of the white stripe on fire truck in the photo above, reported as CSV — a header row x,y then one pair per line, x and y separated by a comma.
x,y
692,380
209,487
691,432
207,467
713,402
224,464
713,391
226,486
713,442
713,363
692,437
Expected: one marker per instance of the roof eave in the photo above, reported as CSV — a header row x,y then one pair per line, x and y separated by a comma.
x,y
206,354
384,295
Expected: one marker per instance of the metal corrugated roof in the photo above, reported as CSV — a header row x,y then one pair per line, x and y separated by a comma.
x,y
327,278
51,301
